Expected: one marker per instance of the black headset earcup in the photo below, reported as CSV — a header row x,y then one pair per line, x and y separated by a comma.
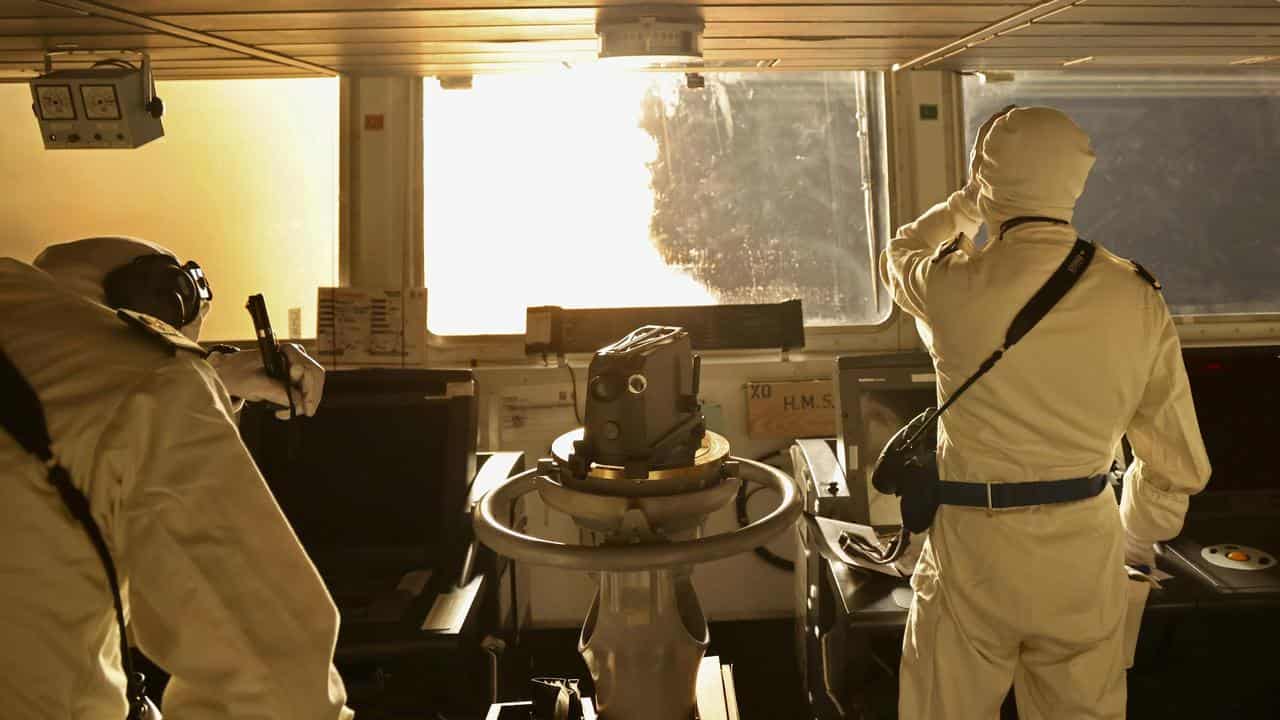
x,y
178,308
146,289
160,305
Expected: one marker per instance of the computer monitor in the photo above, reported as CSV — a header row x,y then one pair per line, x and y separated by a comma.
x,y
1237,397
875,396
378,478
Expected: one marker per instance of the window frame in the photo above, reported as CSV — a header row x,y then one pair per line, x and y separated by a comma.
x,y
879,127
1195,329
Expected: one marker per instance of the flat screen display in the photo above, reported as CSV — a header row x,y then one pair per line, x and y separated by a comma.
x,y
382,466
876,396
1237,398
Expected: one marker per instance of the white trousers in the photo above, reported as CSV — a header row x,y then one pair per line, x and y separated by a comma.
x,y
1034,598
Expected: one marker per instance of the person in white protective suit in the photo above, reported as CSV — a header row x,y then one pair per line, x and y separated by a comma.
x,y
1035,596
215,585
82,265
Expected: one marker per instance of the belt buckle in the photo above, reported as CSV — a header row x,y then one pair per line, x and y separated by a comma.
x,y
989,507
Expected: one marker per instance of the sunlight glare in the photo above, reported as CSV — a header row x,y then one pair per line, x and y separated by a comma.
x,y
538,192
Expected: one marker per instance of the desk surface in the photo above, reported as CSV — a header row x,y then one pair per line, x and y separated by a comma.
x,y
443,627
865,599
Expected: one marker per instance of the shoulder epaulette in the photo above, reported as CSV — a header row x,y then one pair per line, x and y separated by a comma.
x,y
1146,275
161,332
947,249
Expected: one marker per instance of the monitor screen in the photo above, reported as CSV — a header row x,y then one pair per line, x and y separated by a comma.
x,y
876,396
1237,398
383,465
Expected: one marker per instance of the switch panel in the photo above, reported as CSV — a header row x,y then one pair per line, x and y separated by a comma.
x,y
94,108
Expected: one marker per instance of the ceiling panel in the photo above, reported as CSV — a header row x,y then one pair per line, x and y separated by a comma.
x,y
808,54
60,25
158,65
195,52
793,31
1083,31
110,41
1190,3
375,35
982,62
1122,52
425,36
551,48
1135,40
870,63
267,70
1174,14
165,7
33,8
587,16
168,7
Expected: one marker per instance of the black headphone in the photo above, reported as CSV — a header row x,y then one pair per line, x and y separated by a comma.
x,y
158,286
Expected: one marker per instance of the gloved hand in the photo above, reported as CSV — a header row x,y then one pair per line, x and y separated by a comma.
x,y
243,375
1139,553
975,154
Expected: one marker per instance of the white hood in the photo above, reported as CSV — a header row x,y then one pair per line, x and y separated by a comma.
x,y
81,265
1034,161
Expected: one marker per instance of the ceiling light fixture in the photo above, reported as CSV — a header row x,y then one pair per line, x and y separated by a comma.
x,y
651,41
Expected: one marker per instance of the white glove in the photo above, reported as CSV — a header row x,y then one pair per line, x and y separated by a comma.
x,y
1139,553
244,377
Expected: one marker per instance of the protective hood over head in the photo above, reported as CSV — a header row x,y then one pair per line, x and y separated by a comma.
x,y
82,265
1035,161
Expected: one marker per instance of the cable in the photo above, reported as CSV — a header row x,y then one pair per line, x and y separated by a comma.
x,y
494,647
763,553
573,380
854,544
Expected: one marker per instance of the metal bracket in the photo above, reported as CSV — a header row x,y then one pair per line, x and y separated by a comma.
x,y
148,81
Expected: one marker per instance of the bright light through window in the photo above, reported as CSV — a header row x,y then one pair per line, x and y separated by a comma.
x,y
245,182
606,188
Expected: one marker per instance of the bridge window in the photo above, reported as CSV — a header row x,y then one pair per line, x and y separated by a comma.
x,y
589,188
245,182
1186,177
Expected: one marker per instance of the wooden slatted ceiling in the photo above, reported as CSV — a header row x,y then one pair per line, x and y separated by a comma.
x,y
459,36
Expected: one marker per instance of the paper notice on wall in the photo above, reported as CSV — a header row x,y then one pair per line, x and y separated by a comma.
x,y
360,327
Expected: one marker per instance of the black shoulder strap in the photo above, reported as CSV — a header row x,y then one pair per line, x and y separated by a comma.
x,y
1062,280
1053,290
1021,220
24,415
23,418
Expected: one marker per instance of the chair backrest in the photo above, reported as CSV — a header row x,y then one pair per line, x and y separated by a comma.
x,y
381,472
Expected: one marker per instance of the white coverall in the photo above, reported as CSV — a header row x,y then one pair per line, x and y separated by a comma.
x,y
216,587
1036,596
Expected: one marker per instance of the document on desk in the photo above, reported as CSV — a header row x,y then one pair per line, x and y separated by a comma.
x,y
712,695
828,532
450,610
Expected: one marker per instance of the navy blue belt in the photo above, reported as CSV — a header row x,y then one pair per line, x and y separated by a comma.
x,y
1010,495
